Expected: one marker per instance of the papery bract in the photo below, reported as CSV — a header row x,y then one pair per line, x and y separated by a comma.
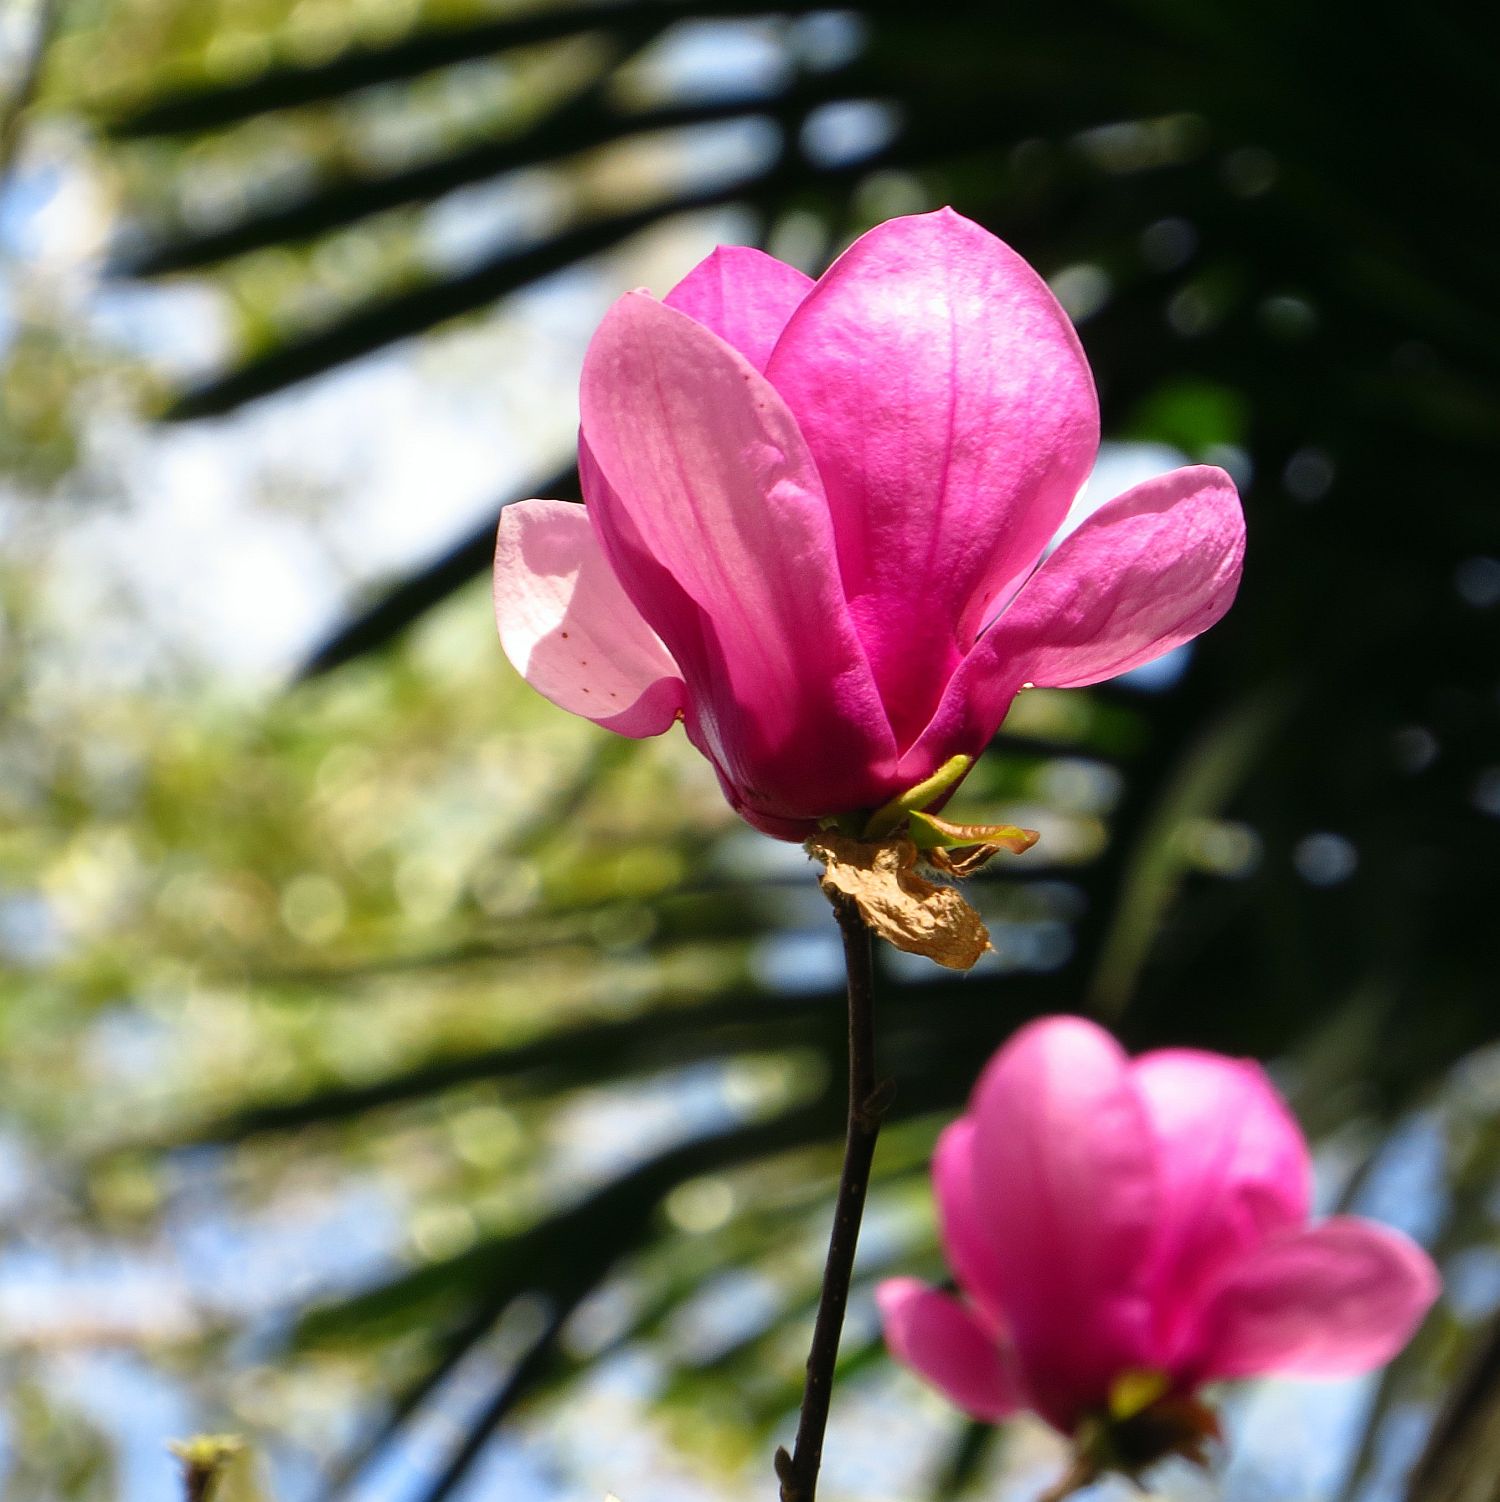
x,y
816,514
1113,1221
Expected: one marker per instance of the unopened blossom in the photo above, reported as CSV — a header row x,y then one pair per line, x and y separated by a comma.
x,y
817,514
1123,1232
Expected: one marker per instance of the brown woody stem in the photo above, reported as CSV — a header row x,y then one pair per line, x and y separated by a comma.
x,y
798,1472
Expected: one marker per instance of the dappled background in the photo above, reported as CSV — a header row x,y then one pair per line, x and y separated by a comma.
x,y
445,1094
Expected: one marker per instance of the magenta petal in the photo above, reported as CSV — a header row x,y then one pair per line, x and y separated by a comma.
x,y
1233,1163
950,409
968,1226
1066,1165
716,492
742,295
1341,1298
1142,575
679,617
933,1335
569,629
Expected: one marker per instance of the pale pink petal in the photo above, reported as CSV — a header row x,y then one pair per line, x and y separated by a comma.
x,y
1233,1163
932,1334
744,296
1066,1171
949,406
709,485
968,1227
1145,573
569,629
1341,1298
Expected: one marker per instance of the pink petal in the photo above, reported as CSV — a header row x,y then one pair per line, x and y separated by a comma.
x,y
967,1226
1142,575
932,1334
1233,1163
950,409
681,618
744,296
1341,1298
1066,1170
713,516
569,629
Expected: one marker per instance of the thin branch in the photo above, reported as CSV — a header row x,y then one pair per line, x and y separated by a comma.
x,y
868,1099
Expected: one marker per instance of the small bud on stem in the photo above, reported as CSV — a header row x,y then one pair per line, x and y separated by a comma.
x,y
204,1459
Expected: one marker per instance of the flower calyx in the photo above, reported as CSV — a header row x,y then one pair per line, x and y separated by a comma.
x,y
961,849
917,916
874,862
1146,1421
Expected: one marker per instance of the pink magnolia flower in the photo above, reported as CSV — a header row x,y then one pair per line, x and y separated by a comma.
x,y
1120,1227
816,514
